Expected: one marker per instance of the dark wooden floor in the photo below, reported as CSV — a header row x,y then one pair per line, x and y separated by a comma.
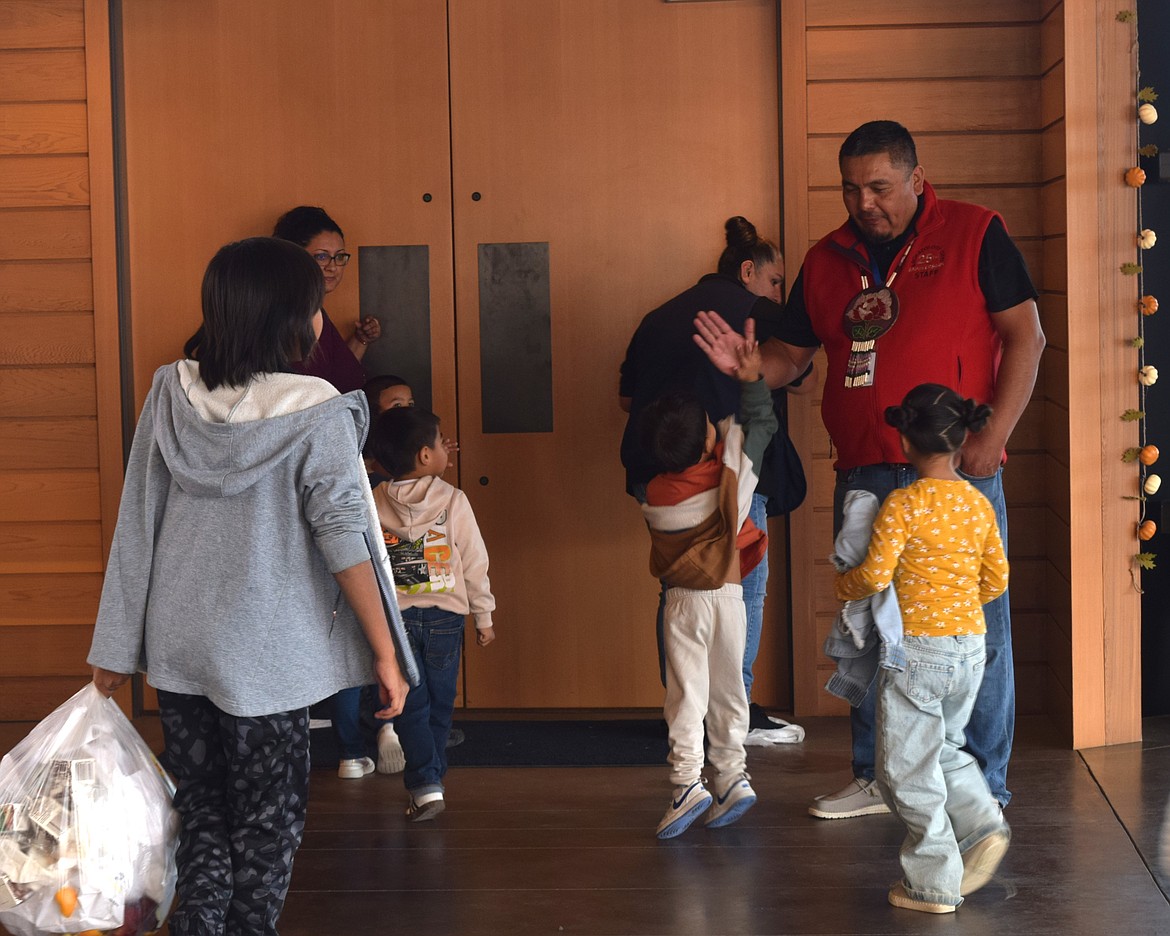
x,y
572,851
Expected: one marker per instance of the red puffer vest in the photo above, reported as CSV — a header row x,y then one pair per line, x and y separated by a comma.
x,y
944,332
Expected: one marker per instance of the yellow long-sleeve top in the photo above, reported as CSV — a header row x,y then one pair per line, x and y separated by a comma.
x,y
937,541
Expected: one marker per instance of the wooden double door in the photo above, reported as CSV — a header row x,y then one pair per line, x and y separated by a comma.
x,y
554,168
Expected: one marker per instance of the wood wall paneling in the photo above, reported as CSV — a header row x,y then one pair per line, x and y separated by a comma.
x,y
948,105
1054,318
45,234
1029,432
923,53
46,286
36,598
1020,205
41,547
42,128
1052,95
31,698
1052,37
44,181
1052,151
1053,201
52,78
63,494
42,75
42,24
50,650
47,338
37,392
968,160
915,12
44,444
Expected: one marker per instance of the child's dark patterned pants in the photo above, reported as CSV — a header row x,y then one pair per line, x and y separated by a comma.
x,y
243,784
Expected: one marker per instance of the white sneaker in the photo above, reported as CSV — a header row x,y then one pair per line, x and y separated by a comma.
x,y
737,799
859,798
390,756
355,768
685,807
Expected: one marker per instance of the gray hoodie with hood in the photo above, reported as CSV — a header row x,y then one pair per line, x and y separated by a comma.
x,y
220,582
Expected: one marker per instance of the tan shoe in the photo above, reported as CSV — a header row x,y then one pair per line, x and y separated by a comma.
x,y
981,860
899,898
859,798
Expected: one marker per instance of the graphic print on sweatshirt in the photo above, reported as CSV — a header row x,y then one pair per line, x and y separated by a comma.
x,y
423,565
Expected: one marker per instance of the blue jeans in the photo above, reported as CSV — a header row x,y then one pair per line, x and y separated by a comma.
x,y
992,725
347,724
436,637
935,787
755,590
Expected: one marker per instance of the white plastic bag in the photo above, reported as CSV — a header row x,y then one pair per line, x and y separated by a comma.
x,y
87,829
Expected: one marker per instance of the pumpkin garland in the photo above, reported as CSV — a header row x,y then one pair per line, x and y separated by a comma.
x,y
1146,454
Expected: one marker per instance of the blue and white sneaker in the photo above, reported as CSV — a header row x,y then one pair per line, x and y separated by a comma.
x,y
685,807
732,803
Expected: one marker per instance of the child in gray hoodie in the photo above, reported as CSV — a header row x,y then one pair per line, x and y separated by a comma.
x,y
241,579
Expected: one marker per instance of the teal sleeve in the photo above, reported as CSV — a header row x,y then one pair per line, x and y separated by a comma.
x,y
758,419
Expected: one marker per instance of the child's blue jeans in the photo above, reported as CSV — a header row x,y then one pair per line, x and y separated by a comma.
x,y
436,637
935,787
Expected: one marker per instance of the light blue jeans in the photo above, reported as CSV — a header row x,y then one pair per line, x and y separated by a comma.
x,y
992,726
935,787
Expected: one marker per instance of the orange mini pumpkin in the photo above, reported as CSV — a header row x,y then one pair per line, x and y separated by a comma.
x,y
1135,177
67,900
1149,454
1147,530
1148,305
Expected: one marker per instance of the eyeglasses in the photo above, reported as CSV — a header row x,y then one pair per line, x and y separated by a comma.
x,y
341,258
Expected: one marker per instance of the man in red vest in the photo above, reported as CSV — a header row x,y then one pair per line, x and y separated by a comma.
x,y
911,289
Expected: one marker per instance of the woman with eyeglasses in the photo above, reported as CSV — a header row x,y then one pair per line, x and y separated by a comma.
x,y
335,359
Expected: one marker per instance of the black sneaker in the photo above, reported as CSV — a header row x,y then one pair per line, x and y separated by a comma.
x,y
455,737
759,718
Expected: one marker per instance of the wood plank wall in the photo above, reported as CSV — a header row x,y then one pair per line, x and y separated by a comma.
x,y
1055,626
60,472
967,81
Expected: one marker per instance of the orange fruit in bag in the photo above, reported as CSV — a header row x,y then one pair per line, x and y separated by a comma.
x,y
67,900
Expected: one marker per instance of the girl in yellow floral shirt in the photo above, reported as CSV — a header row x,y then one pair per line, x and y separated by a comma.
x,y
937,542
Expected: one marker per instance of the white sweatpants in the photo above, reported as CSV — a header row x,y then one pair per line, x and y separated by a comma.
x,y
703,635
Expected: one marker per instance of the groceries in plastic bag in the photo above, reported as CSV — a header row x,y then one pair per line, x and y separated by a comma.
x,y
87,829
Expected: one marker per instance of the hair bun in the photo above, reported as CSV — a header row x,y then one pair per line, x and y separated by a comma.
x,y
900,417
975,415
740,232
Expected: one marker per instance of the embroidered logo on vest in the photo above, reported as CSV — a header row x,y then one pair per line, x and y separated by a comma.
x,y
927,262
